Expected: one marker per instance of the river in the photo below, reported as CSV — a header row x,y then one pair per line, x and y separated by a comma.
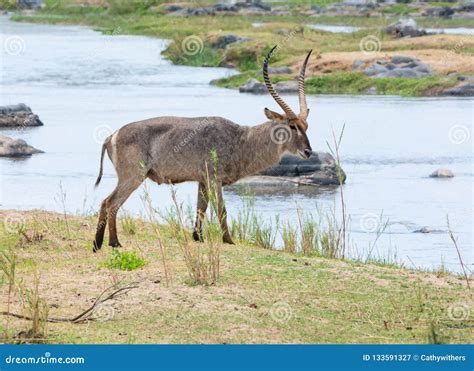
x,y
84,84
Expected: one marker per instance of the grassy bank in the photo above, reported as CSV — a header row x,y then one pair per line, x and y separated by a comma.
x,y
357,83
334,52
260,295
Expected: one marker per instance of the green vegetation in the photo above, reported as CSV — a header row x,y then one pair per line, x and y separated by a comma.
x,y
356,83
193,38
8,4
123,260
261,295
401,9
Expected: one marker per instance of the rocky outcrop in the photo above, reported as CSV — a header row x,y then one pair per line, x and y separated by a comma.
x,y
465,90
278,70
10,147
405,27
443,12
442,173
397,66
18,116
30,4
426,229
223,41
256,87
319,169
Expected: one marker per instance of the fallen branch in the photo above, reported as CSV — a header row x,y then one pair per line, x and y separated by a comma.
x,y
86,314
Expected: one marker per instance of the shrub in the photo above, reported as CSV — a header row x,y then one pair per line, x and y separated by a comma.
x,y
124,260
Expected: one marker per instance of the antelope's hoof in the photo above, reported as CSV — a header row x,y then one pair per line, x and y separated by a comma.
x,y
228,240
96,246
115,244
197,236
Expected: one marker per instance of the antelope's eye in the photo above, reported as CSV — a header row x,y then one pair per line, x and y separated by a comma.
x,y
293,127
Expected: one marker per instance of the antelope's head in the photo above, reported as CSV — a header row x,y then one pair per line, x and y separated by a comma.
x,y
290,128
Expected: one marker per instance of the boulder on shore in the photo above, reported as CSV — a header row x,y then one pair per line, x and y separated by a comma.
x,y
18,116
405,27
442,173
256,87
10,147
398,66
320,169
465,90
30,4
225,40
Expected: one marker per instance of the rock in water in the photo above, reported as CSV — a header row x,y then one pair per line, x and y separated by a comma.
x,y
10,147
30,4
18,116
256,87
466,90
253,86
405,27
442,173
319,169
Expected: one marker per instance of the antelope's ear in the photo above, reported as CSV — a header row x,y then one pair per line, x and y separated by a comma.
x,y
274,116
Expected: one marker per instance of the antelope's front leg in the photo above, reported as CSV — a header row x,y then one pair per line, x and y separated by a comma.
x,y
202,202
222,214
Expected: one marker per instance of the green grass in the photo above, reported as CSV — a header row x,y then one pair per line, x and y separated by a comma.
x,y
355,83
261,296
401,9
8,4
123,260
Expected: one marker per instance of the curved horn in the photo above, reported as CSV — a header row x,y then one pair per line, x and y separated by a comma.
x,y
270,88
301,93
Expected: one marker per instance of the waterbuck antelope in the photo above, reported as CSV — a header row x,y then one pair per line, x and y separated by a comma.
x,y
178,149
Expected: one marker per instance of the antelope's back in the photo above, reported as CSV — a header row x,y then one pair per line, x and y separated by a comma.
x,y
179,147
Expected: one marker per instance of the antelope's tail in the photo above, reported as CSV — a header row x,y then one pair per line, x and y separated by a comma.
x,y
104,147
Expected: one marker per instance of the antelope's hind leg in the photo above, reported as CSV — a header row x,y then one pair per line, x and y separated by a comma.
x,y
101,224
121,193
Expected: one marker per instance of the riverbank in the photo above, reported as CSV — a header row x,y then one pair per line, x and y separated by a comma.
x,y
261,296
235,41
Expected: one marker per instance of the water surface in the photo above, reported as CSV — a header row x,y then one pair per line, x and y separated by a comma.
x,y
84,85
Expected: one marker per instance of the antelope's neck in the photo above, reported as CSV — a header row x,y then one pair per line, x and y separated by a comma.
x,y
259,151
